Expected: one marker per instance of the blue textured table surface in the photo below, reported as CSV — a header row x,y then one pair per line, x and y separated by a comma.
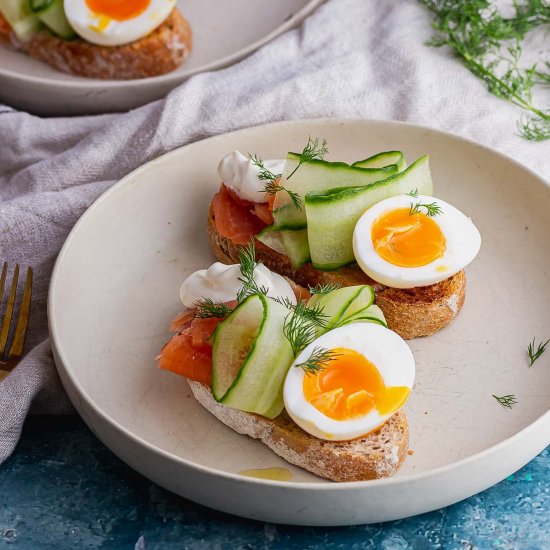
x,y
64,489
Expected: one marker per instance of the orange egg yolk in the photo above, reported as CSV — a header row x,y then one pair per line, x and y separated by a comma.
x,y
119,10
407,241
350,386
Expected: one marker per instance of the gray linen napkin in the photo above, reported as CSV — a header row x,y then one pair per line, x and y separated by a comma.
x,y
351,58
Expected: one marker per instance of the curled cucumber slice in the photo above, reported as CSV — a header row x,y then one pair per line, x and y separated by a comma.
x,y
318,175
383,159
343,302
332,214
272,239
293,244
347,305
251,356
372,314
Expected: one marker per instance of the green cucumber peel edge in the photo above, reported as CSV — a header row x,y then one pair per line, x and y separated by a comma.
x,y
250,350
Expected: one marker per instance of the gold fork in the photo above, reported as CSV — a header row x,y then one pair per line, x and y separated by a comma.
x,y
9,359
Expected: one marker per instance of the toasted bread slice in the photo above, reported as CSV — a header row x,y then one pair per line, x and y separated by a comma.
x,y
159,52
376,455
411,312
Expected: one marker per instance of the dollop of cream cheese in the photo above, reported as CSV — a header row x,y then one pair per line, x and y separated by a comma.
x,y
240,174
220,283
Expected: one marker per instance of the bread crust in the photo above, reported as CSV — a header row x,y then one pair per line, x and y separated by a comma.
x,y
410,312
160,52
376,455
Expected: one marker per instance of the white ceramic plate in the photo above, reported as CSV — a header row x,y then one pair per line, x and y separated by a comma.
x,y
115,288
223,33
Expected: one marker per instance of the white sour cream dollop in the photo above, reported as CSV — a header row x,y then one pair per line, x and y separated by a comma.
x,y
220,283
240,174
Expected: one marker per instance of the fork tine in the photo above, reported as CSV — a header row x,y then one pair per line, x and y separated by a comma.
x,y
4,331
3,280
16,349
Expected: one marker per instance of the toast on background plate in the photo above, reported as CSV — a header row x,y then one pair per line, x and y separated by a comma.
x,y
132,47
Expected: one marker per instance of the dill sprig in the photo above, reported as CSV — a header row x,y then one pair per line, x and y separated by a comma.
x,y
301,324
264,174
489,45
248,263
311,151
313,314
207,308
273,185
533,353
298,332
323,288
318,360
413,194
507,401
432,209
285,301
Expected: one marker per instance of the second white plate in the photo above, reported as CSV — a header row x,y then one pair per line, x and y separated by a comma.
x,y
223,33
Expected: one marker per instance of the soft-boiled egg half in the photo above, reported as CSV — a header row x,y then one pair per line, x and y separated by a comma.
x,y
368,379
116,22
409,241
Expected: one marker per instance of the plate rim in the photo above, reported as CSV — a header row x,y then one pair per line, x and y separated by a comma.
x,y
171,78
543,419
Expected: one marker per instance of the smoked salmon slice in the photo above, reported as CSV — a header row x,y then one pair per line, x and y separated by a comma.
x,y
262,211
180,356
182,321
189,353
202,329
234,220
235,198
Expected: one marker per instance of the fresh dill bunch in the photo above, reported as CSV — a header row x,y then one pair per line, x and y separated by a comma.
x,y
301,324
318,360
248,263
533,353
323,288
490,46
507,401
273,186
207,308
432,209
312,151
413,194
534,129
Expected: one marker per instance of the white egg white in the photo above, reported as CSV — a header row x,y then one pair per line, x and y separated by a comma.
x,y
463,242
383,347
109,32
